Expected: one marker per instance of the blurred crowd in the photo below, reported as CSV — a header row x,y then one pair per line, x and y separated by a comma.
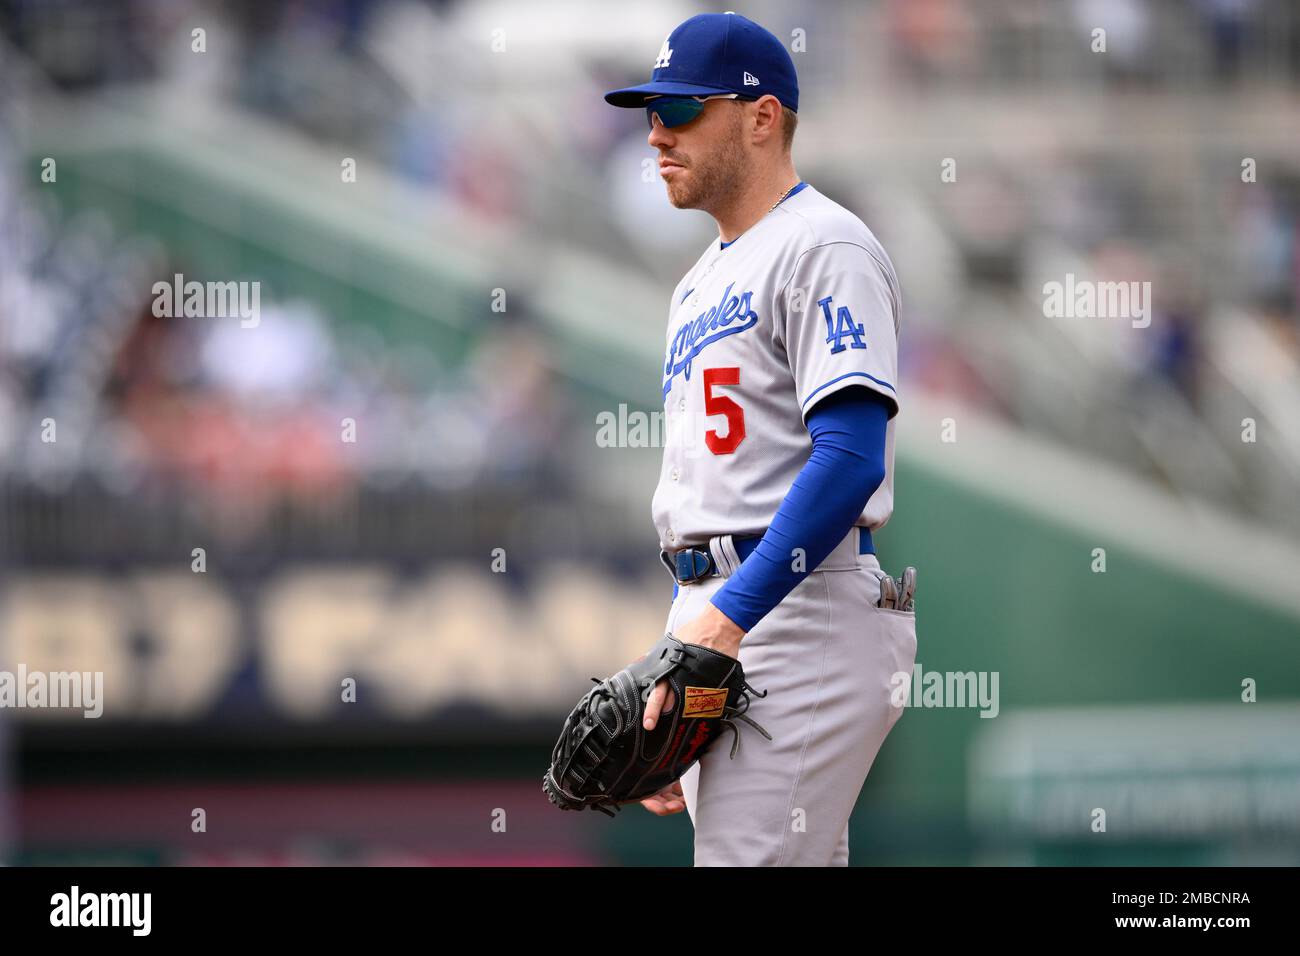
x,y
95,386
434,91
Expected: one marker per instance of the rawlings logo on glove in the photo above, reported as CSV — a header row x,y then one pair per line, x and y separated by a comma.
x,y
605,757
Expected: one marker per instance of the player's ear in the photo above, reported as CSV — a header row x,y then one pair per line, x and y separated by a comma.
x,y
767,115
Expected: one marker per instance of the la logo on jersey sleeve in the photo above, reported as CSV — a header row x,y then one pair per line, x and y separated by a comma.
x,y
849,336
839,326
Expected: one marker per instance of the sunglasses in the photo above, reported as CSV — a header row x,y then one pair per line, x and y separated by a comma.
x,y
679,110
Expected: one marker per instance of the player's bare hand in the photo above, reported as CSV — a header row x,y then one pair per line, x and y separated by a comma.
x,y
667,801
713,629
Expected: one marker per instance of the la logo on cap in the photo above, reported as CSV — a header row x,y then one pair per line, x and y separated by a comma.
x,y
665,54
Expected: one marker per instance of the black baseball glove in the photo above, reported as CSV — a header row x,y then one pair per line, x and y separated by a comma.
x,y
605,757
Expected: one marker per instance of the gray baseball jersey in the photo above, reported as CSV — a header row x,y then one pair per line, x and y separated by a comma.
x,y
804,303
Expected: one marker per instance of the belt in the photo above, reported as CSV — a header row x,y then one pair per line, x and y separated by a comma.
x,y
695,564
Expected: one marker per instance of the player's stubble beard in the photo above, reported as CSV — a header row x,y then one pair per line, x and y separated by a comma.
x,y
716,178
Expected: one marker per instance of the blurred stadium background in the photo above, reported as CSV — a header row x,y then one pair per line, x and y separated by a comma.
x,y
489,171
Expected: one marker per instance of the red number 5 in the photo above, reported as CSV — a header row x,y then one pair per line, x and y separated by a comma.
x,y
721,405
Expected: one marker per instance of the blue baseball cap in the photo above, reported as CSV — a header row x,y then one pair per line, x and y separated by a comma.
x,y
717,53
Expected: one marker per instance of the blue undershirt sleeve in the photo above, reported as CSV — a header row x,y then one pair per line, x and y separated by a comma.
x,y
845,468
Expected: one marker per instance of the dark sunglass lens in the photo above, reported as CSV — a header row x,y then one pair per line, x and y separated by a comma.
x,y
673,112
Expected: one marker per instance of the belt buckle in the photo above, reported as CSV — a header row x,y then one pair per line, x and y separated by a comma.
x,y
688,565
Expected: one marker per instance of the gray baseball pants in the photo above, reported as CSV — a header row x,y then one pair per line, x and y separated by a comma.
x,y
826,656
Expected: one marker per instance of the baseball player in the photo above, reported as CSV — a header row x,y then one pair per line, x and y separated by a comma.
x,y
780,391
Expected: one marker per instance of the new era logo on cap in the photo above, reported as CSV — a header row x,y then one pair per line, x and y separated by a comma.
x,y
751,79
